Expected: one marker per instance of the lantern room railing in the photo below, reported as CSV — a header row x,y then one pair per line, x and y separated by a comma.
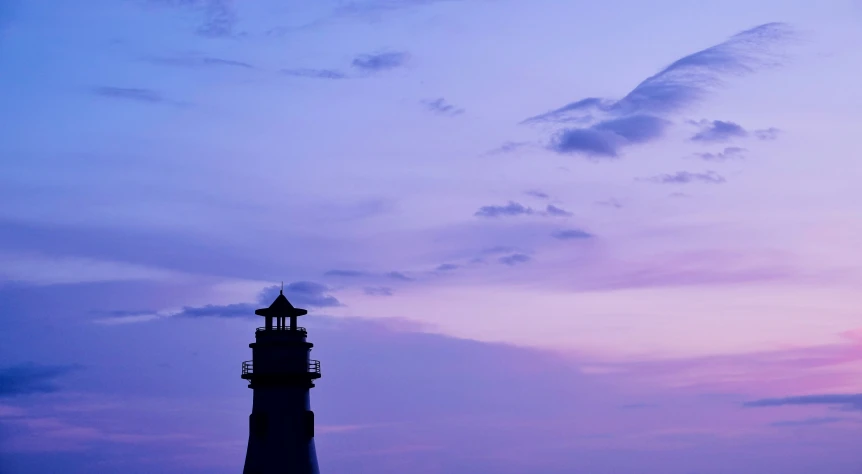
x,y
275,328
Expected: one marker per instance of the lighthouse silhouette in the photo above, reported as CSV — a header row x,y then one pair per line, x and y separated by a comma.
x,y
281,425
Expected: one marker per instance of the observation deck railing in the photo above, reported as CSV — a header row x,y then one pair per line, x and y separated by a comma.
x,y
248,367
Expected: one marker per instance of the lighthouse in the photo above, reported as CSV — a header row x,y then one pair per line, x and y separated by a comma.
x,y
281,373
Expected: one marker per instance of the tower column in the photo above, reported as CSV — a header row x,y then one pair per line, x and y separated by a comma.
x,y
281,425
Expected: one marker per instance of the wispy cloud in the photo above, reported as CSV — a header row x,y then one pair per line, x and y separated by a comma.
x,y
508,147
148,96
718,131
842,401
378,291
770,133
218,18
685,269
398,276
447,267
27,379
572,234
685,177
729,153
380,61
537,194
299,293
514,259
553,210
605,139
197,62
513,208
376,8
610,203
441,107
315,73
345,273
362,10
807,422
371,63
639,116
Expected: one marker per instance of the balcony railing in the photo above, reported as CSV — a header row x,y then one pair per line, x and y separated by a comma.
x,y
248,367
300,329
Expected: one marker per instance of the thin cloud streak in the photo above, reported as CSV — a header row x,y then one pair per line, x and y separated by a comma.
x,y
378,62
686,177
640,116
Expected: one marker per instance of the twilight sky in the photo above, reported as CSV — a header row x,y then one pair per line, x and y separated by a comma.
x,y
532,236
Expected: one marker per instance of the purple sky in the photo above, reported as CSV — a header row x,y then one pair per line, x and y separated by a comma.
x,y
532,236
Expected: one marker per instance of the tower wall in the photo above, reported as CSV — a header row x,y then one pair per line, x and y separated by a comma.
x,y
281,425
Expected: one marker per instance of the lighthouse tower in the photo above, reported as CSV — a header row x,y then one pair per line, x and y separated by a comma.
x,y
281,425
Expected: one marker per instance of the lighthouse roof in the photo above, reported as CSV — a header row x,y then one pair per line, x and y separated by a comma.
x,y
280,308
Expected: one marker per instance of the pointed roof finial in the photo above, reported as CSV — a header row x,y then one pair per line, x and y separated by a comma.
x,y
281,291
281,307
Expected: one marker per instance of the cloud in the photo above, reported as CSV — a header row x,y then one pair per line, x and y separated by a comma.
x,y
770,133
315,73
440,106
447,267
398,276
537,194
718,131
508,147
851,402
572,234
372,278
513,208
299,293
307,293
606,138
729,153
638,406
685,177
553,210
433,390
378,291
376,8
609,203
380,61
218,18
370,63
514,259
236,310
688,79
364,10
807,422
132,94
27,379
638,117
686,269
103,252
198,62
345,273
35,269
495,250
